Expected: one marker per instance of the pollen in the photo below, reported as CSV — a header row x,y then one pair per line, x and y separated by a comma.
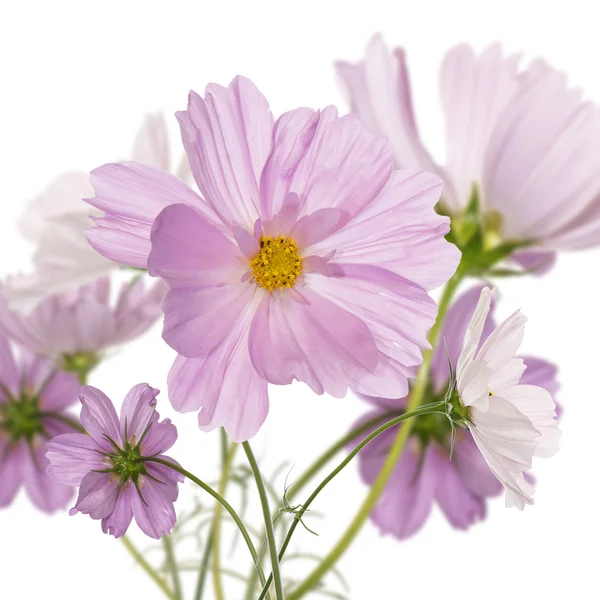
x,y
277,264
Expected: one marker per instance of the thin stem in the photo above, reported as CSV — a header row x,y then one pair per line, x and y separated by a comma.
x,y
423,410
203,570
227,455
338,446
221,501
416,398
160,582
264,500
172,565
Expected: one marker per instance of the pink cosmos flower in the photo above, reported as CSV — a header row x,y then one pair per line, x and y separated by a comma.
x,y
55,222
34,398
73,328
524,138
115,484
307,257
425,474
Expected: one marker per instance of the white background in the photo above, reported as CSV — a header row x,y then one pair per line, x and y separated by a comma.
x,y
76,79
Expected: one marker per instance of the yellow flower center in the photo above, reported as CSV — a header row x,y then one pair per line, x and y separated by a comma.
x,y
277,264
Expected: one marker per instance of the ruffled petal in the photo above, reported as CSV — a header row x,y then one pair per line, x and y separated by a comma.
x,y
132,195
310,339
398,314
400,231
331,163
224,386
227,137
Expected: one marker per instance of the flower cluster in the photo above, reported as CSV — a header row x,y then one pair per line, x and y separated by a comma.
x,y
307,253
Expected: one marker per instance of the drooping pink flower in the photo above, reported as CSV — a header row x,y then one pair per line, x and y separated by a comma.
x,y
425,474
115,483
34,398
74,328
525,139
55,221
511,422
307,257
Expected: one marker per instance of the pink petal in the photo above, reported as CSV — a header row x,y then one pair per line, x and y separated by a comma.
x,y
313,228
9,375
160,437
190,252
461,507
400,231
472,467
45,492
11,470
227,137
379,91
475,90
117,523
315,341
224,386
151,144
246,242
334,163
155,514
542,169
97,495
72,456
397,312
99,417
285,219
60,392
132,195
138,411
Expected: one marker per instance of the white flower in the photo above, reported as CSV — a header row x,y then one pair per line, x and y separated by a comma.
x,y
510,423
56,219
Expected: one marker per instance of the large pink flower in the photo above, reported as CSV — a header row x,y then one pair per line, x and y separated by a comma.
x,y
523,137
307,257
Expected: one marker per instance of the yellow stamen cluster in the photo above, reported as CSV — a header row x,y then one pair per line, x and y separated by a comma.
x,y
277,264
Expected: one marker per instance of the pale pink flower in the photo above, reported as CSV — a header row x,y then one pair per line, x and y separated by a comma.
x,y
75,327
307,257
55,221
525,139
34,400
511,422
116,482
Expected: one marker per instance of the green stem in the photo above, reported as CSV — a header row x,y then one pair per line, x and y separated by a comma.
x,y
227,455
172,565
160,582
423,410
416,398
221,501
338,446
264,500
204,567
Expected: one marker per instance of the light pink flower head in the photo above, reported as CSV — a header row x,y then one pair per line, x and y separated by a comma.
x,y
34,398
55,221
511,421
115,483
525,139
84,322
307,257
